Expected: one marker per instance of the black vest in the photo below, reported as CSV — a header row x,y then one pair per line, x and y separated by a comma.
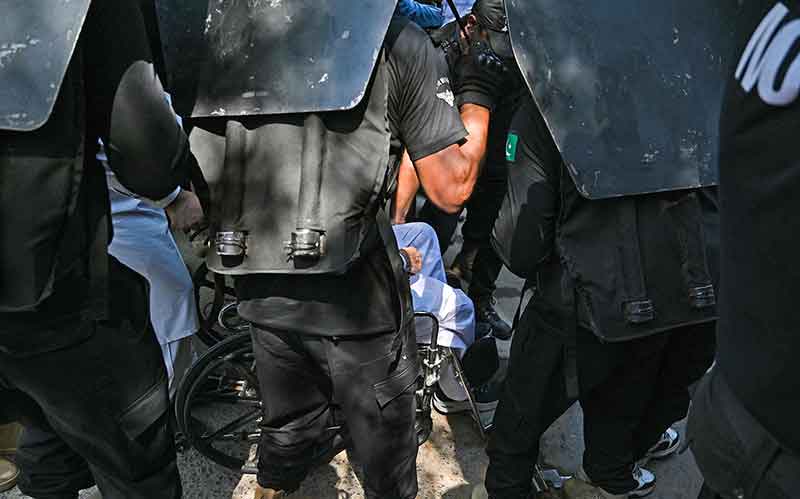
x,y
632,266
44,221
257,189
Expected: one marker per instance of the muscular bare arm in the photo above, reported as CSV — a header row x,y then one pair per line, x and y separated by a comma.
x,y
449,175
407,187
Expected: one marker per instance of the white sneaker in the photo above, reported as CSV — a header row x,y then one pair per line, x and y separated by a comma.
x,y
646,481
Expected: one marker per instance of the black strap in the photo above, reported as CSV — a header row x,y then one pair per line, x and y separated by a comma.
x,y
402,285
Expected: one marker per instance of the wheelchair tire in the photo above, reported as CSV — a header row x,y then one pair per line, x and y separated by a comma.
x,y
218,404
209,306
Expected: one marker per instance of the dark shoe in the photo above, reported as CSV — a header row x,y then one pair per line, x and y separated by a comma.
x,y
8,474
486,317
423,426
463,262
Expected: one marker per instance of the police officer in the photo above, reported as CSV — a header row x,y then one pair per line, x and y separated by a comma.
x,y
742,426
330,321
477,264
81,369
621,276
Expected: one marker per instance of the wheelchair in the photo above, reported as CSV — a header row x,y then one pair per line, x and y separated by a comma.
x,y
218,405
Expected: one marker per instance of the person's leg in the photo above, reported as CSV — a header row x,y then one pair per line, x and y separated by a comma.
x,y
451,307
534,396
51,469
736,455
477,263
296,388
374,384
626,374
106,399
443,223
687,355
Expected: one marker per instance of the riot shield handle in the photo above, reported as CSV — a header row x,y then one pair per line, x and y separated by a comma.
x,y
308,240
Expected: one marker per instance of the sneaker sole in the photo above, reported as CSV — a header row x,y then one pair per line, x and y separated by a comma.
x,y
643,492
9,484
666,452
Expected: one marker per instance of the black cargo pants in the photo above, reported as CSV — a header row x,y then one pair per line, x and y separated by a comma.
x,y
95,410
735,453
311,385
630,393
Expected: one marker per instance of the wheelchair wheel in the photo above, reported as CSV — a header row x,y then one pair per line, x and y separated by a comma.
x,y
216,307
218,405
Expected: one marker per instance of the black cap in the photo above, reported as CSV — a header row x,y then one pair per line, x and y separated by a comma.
x,y
491,15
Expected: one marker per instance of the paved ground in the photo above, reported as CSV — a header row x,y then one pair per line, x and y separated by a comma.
x,y
450,465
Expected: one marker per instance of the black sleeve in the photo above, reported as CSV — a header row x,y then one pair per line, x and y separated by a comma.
x,y
524,232
421,102
126,107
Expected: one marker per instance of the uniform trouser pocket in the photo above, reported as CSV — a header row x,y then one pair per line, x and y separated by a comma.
x,y
374,384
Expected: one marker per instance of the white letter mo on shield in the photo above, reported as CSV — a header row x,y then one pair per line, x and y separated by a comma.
x,y
764,55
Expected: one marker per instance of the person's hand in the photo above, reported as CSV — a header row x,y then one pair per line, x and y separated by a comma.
x,y
185,212
414,259
480,74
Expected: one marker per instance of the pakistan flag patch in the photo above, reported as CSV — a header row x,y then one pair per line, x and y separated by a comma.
x,y
511,147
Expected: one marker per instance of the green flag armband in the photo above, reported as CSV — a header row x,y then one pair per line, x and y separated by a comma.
x,y
511,147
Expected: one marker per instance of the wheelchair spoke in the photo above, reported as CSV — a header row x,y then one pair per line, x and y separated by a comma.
x,y
227,397
227,431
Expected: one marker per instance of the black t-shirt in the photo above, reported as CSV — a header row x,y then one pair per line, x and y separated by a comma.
x,y
423,119
759,326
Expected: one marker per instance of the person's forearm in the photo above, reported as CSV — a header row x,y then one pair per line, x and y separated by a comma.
x,y
476,121
407,187
449,176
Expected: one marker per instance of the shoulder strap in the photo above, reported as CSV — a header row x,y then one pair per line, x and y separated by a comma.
x,y
406,312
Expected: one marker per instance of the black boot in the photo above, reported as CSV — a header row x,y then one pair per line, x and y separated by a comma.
x,y
487,319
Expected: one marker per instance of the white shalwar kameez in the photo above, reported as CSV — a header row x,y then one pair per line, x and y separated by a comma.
x,y
142,241
431,293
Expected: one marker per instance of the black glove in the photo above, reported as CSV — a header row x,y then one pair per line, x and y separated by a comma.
x,y
480,76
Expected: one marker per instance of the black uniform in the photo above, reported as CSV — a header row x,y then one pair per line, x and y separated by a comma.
x,y
743,421
324,344
477,262
630,391
98,385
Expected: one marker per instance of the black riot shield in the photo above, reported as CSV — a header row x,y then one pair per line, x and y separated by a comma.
x,y
37,39
631,89
246,57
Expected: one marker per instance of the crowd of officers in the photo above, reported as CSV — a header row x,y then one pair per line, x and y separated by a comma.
x,y
91,393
